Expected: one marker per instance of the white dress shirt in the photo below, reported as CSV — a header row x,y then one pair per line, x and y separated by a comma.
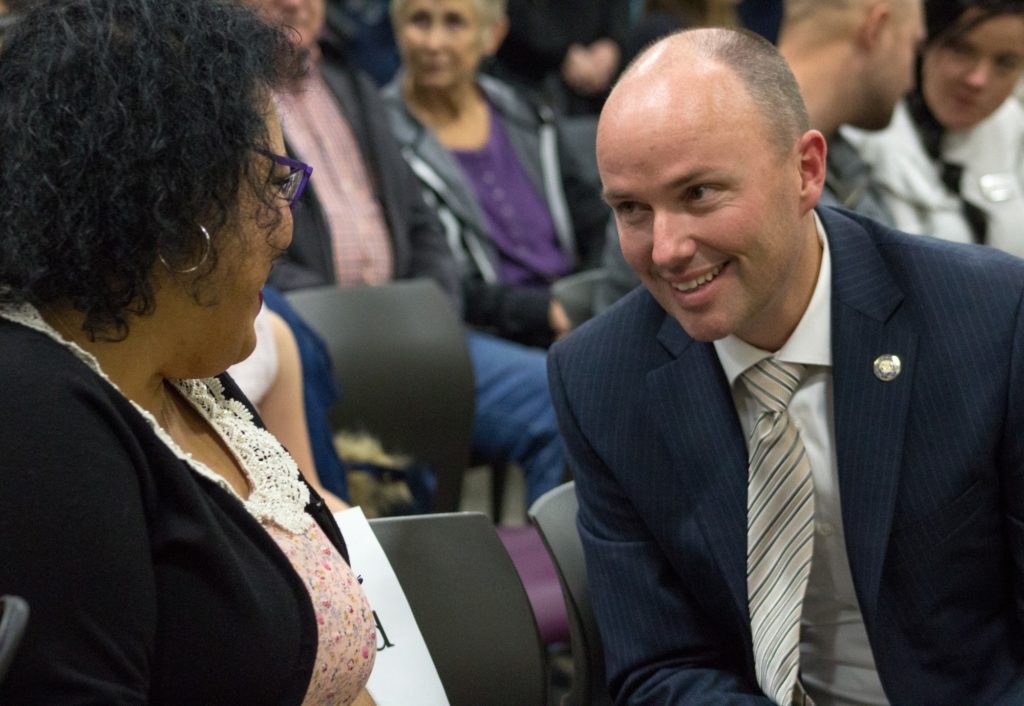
x,y
837,667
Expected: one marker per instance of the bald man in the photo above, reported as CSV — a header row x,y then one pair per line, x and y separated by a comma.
x,y
799,448
854,61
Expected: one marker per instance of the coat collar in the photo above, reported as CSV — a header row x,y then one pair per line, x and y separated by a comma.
x,y
436,166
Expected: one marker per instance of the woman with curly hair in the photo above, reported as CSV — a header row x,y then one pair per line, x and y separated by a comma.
x,y
168,546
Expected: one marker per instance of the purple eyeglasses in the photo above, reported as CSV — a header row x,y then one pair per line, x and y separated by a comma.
x,y
295,183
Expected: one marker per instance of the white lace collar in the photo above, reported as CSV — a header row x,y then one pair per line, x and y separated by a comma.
x,y
277,495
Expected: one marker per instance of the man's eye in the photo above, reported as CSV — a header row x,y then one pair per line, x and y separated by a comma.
x,y
699,192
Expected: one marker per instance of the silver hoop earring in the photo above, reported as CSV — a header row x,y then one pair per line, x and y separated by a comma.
x,y
206,253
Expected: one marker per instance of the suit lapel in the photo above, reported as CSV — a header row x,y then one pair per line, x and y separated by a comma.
x,y
870,415
704,438
705,441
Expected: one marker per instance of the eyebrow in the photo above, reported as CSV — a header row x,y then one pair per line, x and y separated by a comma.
x,y
693,176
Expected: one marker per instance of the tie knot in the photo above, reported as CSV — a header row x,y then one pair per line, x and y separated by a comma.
x,y
773,382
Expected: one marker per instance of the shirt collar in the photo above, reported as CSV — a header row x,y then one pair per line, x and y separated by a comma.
x,y
811,341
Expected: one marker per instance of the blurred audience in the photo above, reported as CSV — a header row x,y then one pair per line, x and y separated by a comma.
x,y
518,212
952,162
365,28
662,17
364,221
763,17
854,61
568,51
167,544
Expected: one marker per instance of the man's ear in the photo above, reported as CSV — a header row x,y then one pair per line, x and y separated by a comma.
x,y
494,36
812,152
877,16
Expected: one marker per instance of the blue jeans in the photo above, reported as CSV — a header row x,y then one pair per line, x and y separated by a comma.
x,y
515,420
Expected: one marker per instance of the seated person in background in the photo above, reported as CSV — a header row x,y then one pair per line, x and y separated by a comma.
x,y
518,211
566,51
365,27
166,542
271,377
952,162
364,221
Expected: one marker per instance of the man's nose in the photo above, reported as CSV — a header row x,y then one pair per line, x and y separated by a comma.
x,y
673,243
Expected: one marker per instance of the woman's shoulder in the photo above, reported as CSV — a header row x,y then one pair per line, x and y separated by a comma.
x,y
37,365
996,144
404,125
898,161
513,105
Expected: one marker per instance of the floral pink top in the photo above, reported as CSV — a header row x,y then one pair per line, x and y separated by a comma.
x,y
346,632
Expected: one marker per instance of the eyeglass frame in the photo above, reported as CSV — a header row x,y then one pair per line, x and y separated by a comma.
x,y
295,166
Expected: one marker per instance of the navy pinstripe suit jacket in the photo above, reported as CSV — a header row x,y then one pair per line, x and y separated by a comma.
x,y
931,478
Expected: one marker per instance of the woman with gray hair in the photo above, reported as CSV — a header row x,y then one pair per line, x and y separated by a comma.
x,y
518,211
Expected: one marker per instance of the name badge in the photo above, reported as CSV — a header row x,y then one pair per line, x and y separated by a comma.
x,y
996,188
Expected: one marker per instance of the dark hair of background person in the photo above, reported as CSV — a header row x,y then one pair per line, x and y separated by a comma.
x,y
946,20
124,126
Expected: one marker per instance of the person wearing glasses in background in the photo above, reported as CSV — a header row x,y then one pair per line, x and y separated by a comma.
x,y
168,546
951,164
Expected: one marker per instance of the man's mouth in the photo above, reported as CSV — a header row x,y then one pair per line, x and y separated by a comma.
x,y
699,281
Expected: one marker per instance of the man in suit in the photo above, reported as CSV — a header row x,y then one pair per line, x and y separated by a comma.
x,y
891,545
853,60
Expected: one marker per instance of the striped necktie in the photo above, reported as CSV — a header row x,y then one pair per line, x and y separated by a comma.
x,y
780,512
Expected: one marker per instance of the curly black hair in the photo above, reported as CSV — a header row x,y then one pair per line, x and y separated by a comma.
x,y
125,125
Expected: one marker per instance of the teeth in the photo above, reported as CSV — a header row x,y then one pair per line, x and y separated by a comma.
x,y
694,283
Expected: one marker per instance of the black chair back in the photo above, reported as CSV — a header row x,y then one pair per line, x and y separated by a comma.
x,y
399,353
470,607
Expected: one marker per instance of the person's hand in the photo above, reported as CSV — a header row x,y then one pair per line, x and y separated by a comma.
x,y
604,62
576,68
558,319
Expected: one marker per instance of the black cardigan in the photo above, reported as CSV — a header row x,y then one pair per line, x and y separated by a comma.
x,y
147,582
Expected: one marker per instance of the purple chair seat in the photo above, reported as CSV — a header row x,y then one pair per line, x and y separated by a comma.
x,y
539,577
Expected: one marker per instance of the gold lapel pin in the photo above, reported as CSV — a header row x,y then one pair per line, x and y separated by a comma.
x,y
888,367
